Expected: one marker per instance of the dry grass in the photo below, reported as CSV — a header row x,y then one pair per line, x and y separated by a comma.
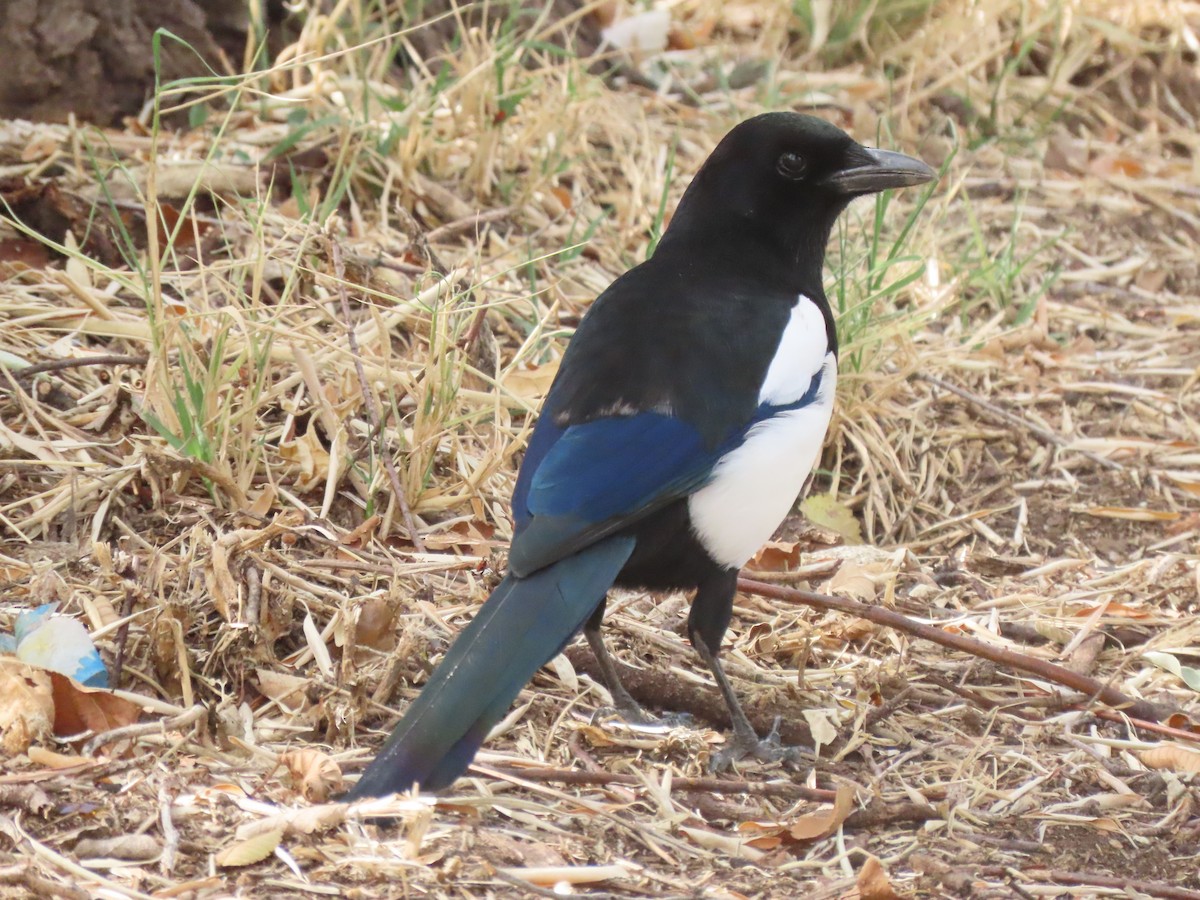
x,y
227,506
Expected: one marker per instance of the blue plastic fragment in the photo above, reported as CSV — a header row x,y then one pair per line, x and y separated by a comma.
x,y
58,643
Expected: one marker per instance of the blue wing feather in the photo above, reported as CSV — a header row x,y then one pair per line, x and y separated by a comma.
x,y
597,477
581,483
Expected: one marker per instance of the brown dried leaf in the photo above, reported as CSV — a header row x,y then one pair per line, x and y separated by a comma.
x,y
48,759
289,691
373,627
530,385
306,820
125,846
856,580
361,535
474,537
873,882
308,455
1117,164
26,705
1171,756
251,850
24,253
28,797
78,708
821,824
777,556
1115,609
314,773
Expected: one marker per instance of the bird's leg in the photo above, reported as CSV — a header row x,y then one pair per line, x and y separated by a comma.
x,y
711,610
630,710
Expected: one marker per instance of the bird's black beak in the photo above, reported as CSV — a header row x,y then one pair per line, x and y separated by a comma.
x,y
877,170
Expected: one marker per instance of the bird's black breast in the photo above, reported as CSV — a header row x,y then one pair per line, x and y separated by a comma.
x,y
672,339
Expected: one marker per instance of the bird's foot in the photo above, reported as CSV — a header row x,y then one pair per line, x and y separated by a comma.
x,y
632,714
744,743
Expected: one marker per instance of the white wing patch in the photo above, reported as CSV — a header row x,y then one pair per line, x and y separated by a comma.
x,y
799,356
754,486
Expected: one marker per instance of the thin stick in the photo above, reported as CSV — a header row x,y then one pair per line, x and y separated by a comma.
x,y
1141,709
339,274
1121,883
1013,419
185,719
101,359
784,789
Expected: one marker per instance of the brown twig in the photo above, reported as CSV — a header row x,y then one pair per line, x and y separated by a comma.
x,y
467,223
101,359
406,513
1037,431
122,635
1142,709
1156,727
784,789
1057,876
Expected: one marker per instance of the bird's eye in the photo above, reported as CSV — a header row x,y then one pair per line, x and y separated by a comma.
x,y
792,165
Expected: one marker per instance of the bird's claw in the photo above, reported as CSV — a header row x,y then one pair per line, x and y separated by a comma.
x,y
637,717
743,744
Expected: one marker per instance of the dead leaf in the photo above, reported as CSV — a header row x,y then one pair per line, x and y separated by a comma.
x,y
1175,757
127,846
373,627
1182,722
555,875
562,195
777,556
530,385
307,454
1115,609
315,774
858,580
263,502
853,630
251,850
724,843
821,824
78,708
362,534
472,536
873,882
1116,164
26,705
48,759
830,513
306,820
21,253
28,797
823,730
289,691
222,586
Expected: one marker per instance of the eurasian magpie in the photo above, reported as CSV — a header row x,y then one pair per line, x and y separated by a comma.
x,y
688,411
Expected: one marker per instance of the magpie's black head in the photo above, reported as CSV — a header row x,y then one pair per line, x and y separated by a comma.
x,y
778,182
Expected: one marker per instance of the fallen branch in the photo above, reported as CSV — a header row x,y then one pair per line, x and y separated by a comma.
x,y
1141,709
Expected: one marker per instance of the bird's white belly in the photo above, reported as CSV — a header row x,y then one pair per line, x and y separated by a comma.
x,y
754,486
